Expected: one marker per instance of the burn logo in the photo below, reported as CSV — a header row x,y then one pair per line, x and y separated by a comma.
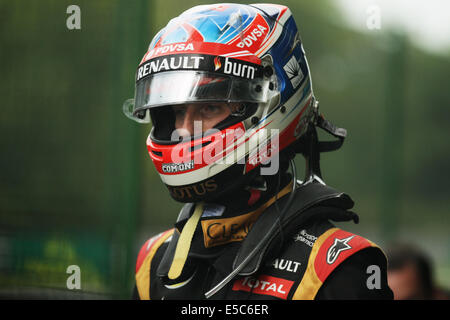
x,y
239,69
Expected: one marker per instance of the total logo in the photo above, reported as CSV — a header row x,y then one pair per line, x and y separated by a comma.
x,y
265,285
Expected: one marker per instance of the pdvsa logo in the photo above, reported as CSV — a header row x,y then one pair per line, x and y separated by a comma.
x,y
177,47
254,36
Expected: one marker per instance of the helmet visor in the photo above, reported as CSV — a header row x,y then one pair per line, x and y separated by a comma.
x,y
180,87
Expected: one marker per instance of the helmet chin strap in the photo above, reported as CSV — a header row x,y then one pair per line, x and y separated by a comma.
x,y
312,156
311,147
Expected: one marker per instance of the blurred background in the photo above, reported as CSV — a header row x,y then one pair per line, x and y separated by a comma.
x,y
77,186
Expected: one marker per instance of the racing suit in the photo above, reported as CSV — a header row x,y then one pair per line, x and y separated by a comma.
x,y
307,258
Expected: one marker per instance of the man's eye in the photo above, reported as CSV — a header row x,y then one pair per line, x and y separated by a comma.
x,y
179,112
211,109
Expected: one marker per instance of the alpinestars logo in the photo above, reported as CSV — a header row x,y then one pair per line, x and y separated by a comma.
x,y
338,246
293,71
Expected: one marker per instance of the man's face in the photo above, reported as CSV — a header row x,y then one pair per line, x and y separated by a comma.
x,y
210,114
405,283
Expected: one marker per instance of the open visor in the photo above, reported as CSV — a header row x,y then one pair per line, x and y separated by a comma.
x,y
179,87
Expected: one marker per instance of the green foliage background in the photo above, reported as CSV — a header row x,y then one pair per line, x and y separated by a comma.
x,y
77,185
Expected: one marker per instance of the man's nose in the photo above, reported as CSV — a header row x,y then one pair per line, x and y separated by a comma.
x,y
187,127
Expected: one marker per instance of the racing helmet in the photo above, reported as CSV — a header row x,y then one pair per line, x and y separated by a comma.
x,y
247,56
